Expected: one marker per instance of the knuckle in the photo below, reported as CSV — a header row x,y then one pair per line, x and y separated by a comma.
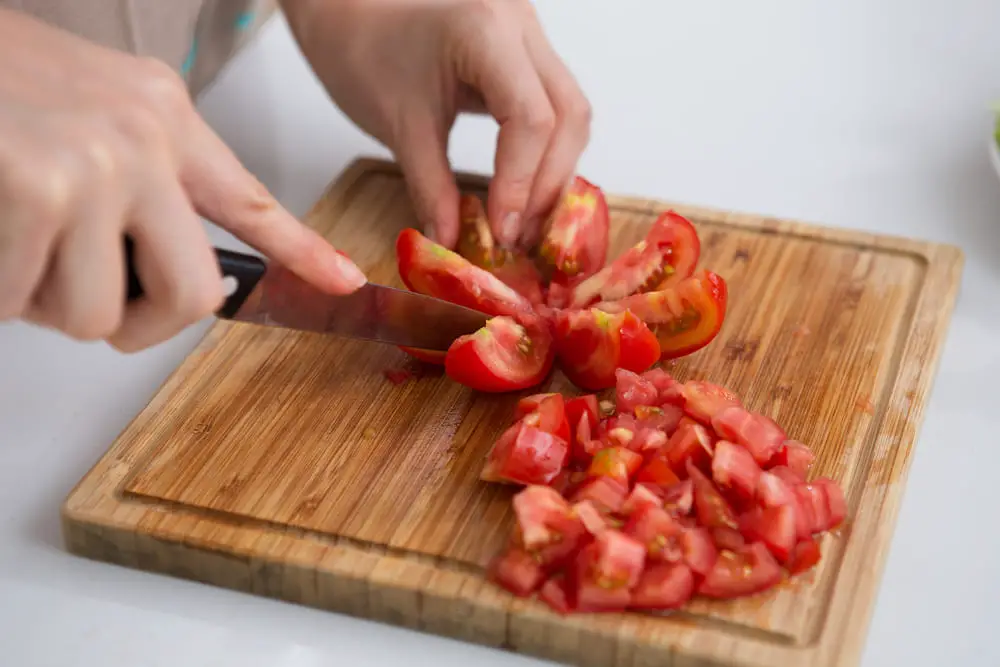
x,y
538,119
198,299
163,88
579,111
43,189
141,124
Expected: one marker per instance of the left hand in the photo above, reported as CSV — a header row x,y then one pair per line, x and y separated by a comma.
x,y
403,69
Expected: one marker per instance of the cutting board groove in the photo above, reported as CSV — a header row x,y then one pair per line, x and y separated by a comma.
x,y
284,464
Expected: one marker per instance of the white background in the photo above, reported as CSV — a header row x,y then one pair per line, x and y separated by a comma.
x,y
854,113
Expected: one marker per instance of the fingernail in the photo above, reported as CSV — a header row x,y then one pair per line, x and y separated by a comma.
x,y
350,273
509,228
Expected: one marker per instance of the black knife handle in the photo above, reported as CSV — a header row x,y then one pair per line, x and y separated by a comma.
x,y
247,270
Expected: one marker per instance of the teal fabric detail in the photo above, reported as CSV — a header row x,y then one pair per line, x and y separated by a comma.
x,y
189,61
244,20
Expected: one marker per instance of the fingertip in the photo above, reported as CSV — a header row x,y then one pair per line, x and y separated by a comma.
x,y
351,277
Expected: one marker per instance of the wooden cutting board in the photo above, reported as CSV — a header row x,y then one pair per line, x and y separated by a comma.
x,y
285,464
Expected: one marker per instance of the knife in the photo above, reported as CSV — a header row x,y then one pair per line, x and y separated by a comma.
x,y
269,294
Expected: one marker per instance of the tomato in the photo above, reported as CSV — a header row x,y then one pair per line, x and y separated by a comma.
x,y
648,441
773,491
432,269
690,443
813,505
575,239
787,475
750,570
606,493
584,406
794,455
805,555
546,412
593,521
525,455
516,571
554,594
728,539
618,463
502,356
667,388
657,471
774,526
658,532
632,391
663,586
733,468
548,528
679,498
642,496
759,434
588,592
666,256
592,344
711,508
619,559
836,503
685,317
428,356
702,400
699,550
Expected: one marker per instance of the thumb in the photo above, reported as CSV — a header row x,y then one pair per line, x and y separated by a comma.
x,y
422,152
223,191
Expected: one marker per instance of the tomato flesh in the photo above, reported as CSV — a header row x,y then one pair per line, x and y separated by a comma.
x,y
757,433
736,574
690,443
663,586
546,412
657,471
517,571
658,532
774,526
525,455
575,241
591,345
733,467
804,557
502,356
710,506
633,391
618,463
795,456
606,493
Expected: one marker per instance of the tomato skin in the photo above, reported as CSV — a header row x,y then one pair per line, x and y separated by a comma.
x,y
502,356
427,356
584,405
657,471
774,526
794,455
546,412
684,317
554,594
805,555
702,400
711,508
663,586
632,391
525,455
592,344
642,496
516,571
733,467
690,443
760,435
618,463
699,549
679,498
575,239
737,574
606,493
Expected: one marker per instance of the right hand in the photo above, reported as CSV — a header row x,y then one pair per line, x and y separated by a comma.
x,y
96,144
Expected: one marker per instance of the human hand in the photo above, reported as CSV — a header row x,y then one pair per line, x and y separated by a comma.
x,y
97,144
403,69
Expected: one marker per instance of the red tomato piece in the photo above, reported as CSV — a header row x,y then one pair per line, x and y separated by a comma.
x,y
774,526
658,532
632,391
699,550
663,586
546,412
525,455
591,517
665,418
657,471
588,592
547,527
733,468
592,344
750,570
684,317
836,503
728,539
607,493
710,507
554,594
619,561
575,240
618,463
642,496
773,491
679,498
666,256
813,503
667,388
690,443
649,441
761,436
787,475
427,356
795,456
516,571
805,556
432,269
584,406
502,356
702,400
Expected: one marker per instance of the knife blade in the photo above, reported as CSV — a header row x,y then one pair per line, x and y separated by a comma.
x,y
268,294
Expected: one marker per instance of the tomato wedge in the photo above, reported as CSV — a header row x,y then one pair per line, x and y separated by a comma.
x,y
665,257
525,455
736,574
575,240
502,356
546,412
710,506
592,344
685,317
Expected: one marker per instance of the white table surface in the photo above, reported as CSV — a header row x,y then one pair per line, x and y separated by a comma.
x,y
855,113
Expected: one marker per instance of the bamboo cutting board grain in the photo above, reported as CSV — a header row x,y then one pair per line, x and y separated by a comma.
x,y
284,463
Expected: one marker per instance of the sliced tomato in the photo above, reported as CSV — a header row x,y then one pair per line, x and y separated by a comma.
x,y
774,526
805,556
794,455
700,552
773,491
575,240
663,586
632,391
548,528
619,560
665,257
658,532
432,269
643,495
592,344
711,508
728,539
690,443
667,388
760,435
502,356
516,570
787,475
553,593
685,317
546,412
657,471
593,520
678,499
618,463
649,441
745,572
836,503
588,592
584,406
525,455
606,493
733,467
702,400
813,504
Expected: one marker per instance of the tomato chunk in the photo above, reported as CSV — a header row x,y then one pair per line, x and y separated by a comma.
x,y
699,549
502,356
548,527
734,468
745,572
516,571
836,503
795,456
593,520
554,594
606,493
657,471
525,455
633,391
589,590
575,241
663,586
773,491
690,443
643,495
658,532
679,498
774,526
805,556
684,317
759,434
546,412
710,506
618,463
583,406
591,345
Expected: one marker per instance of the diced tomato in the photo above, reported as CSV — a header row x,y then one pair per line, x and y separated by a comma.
x,y
690,443
649,441
666,256
548,527
805,556
657,471
660,533
583,406
699,550
575,241
591,345
667,388
642,496
618,463
684,317
759,434
710,507
502,356
773,491
607,493
554,594
591,517
546,412
516,571
836,503
728,539
787,475
620,559
525,455
620,436
663,586
745,572
679,498
432,269
813,503
774,526
588,590
734,468
795,456
702,400
632,391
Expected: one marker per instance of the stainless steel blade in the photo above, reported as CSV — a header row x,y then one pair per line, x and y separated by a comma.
x,y
374,312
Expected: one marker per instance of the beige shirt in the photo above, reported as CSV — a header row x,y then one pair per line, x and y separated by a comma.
x,y
195,37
